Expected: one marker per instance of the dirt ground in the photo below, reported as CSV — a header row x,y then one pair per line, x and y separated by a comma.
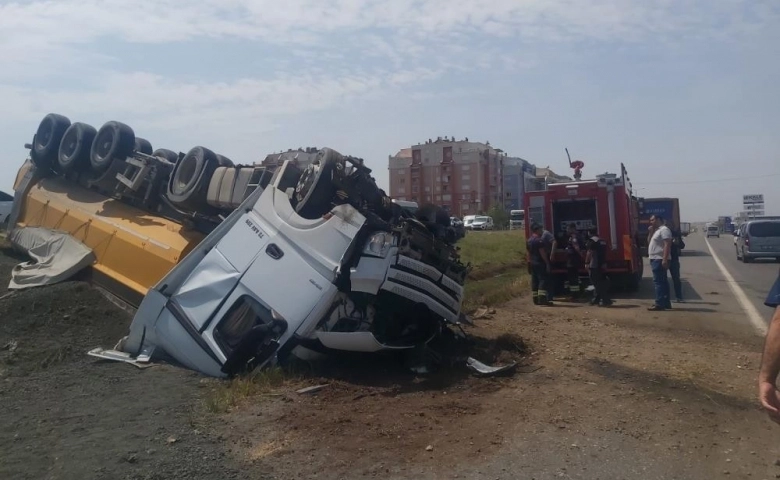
x,y
601,393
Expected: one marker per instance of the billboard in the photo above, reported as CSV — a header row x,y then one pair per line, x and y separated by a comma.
x,y
755,198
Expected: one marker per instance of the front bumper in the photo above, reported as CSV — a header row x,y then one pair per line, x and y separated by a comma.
x,y
411,280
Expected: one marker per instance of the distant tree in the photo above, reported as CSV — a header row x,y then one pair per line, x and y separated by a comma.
x,y
500,216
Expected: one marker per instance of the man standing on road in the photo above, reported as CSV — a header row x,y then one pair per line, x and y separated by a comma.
x,y
674,266
659,250
539,260
770,362
597,265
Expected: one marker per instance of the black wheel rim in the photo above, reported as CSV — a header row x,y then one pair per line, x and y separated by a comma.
x,y
46,133
104,142
185,175
306,182
69,144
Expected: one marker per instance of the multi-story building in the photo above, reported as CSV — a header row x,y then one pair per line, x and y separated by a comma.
x,y
518,173
463,177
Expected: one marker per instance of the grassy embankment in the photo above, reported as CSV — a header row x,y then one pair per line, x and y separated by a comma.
x,y
498,267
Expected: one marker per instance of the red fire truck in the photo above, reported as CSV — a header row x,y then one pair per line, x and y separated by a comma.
x,y
605,206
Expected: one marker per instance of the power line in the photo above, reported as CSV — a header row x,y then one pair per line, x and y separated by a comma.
x,y
714,180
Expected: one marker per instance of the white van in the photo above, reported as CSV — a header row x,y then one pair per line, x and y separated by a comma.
x,y
712,231
758,239
6,203
468,220
482,222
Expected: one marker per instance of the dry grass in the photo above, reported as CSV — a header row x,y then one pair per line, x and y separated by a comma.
x,y
225,395
498,267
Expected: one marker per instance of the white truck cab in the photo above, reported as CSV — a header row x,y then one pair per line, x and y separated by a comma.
x,y
361,284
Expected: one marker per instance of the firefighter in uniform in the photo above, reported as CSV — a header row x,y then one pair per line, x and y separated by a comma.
x,y
539,262
596,261
574,249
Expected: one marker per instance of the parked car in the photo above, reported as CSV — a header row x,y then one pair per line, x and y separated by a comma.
x,y
468,220
758,239
6,202
482,222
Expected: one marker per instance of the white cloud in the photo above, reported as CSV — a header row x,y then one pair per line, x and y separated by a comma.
x,y
65,55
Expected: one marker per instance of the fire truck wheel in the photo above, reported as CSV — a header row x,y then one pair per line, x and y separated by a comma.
x,y
143,145
113,140
315,190
190,178
224,161
73,155
166,154
46,143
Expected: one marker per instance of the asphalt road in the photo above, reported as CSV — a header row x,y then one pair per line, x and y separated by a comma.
x,y
755,278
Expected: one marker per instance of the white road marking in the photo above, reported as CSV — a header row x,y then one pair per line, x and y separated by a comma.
x,y
752,313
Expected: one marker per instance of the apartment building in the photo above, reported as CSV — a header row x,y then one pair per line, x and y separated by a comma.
x,y
463,177
518,175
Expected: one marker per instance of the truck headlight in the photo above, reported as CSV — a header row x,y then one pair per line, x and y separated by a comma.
x,y
378,244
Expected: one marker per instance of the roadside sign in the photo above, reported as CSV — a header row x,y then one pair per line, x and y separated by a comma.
x,y
753,205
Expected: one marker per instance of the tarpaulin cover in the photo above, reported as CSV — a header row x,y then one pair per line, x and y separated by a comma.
x,y
56,256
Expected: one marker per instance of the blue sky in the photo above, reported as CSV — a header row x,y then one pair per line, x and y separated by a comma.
x,y
684,92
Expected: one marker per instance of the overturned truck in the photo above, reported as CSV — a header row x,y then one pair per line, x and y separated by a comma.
x,y
233,267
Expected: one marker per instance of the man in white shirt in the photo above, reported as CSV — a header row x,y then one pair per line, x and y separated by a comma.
x,y
659,250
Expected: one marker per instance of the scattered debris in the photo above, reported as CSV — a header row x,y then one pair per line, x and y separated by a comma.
x,y
429,448
466,319
11,346
312,389
171,440
7,295
486,370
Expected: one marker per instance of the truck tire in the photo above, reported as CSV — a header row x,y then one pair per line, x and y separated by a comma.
x,y
166,154
224,161
46,144
142,145
76,144
113,140
315,190
189,182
